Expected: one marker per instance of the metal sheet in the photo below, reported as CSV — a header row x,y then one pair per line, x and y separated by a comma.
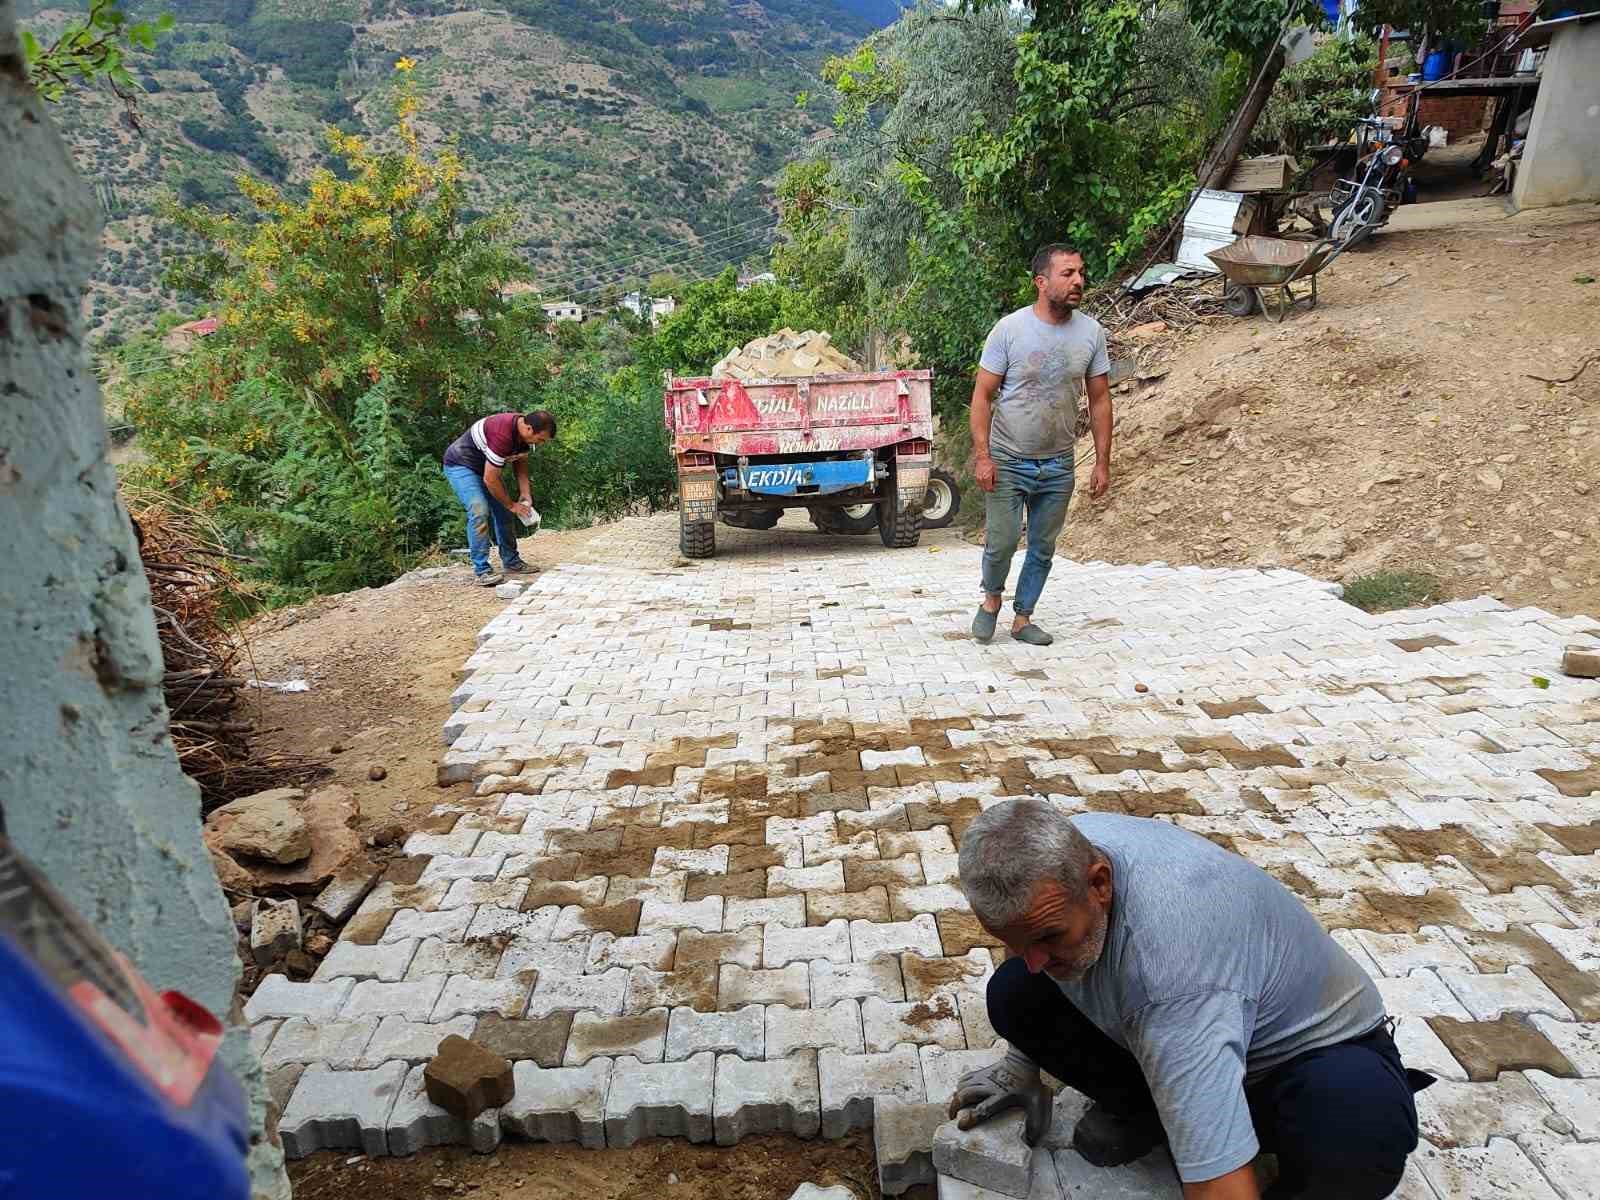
x,y
1209,226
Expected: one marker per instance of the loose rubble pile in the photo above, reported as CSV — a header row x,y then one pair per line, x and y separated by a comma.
x,y
785,355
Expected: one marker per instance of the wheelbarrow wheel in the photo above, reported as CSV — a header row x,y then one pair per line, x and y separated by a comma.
x,y
1239,300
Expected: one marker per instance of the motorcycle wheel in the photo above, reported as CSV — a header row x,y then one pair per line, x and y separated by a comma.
x,y
1357,219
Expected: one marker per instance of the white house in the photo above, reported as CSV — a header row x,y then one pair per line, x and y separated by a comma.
x,y
563,310
660,306
747,282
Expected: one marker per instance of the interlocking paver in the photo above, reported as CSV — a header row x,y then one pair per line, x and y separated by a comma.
x,y
559,1104
341,1110
660,1100
791,1029
816,772
643,1036
778,1096
415,1122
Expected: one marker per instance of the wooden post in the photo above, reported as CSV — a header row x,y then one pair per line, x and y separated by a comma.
x,y
1218,164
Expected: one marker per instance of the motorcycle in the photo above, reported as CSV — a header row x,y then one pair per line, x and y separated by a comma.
x,y
1383,182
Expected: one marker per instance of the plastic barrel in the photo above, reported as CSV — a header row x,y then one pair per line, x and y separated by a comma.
x,y
1330,9
1436,66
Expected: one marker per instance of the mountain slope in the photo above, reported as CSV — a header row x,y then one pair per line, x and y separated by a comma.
x,y
625,137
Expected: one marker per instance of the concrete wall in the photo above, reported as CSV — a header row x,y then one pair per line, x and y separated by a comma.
x,y
1561,160
90,788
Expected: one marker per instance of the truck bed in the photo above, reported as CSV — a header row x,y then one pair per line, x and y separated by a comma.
x,y
820,415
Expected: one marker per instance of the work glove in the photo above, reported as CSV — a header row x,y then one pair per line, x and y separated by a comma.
x,y
1013,1082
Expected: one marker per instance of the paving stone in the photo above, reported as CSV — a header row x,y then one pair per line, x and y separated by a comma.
x,y
1420,994
445,867
870,905
929,977
1398,954
465,1079
831,982
495,923
344,893
562,1104
1486,1048
919,935
737,986
1579,1043
908,902
1486,997
849,1082
548,958
622,920
782,946
660,1100
339,1044
778,1096
992,1154
1044,1184
902,1136
1468,1114
691,987
789,1030
602,993
465,995
1573,1167
449,925
812,1191
261,1034
463,893
942,1069
1578,1100
1491,1172
414,1000
975,1024
282,1082
643,1037
542,1040
934,1021
742,946
278,996
787,911
1421,1048
653,950
660,915
1153,1177
341,1110
416,1122
436,957
740,1032
795,881
960,932
397,1039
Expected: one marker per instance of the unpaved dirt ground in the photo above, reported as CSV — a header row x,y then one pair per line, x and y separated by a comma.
x,y
758,1168
1395,426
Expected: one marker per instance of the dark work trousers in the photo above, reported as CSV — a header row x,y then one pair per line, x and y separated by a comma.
x,y
1341,1120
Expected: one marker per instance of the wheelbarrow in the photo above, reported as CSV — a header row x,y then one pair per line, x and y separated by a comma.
x,y
1256,267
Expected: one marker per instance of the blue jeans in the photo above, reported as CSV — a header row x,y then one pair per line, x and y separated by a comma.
x,y
1042,486
484,514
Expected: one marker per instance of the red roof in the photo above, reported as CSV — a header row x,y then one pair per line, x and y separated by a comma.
x,y
204,327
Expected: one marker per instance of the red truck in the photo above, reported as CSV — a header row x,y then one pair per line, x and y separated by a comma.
x,y
854,450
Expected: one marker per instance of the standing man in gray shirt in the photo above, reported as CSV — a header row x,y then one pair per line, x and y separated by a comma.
x,y
1192,998
1036,362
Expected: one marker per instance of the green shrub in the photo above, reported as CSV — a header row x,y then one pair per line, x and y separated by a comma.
x,y
1382,591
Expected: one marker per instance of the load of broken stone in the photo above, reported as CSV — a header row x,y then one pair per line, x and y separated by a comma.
x,y
785,355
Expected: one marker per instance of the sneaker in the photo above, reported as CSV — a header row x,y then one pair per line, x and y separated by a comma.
x,y
521,568
1105,1139
489,579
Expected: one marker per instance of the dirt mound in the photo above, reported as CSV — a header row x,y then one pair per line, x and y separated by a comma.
x,y
1397,426
785,355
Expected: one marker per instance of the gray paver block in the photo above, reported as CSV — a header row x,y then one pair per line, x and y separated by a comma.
x,y
399,1039
602,993
832,982
783,946
787,911
414,1000
992,1154
837,1027
742,1032
705,915
660,1100
339,1044
766,1097
275,929
386,962
737,986
415,1122
465,995
345,891
341,1110
942,1069
1152,1177
279,996
902,1136
643,1036
559,1104
920,935
935,1021
449,924
1044,1185
850,1082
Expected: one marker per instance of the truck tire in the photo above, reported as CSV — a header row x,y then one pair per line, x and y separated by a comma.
x,y
900,529
697,539
751,518
943,500
855,518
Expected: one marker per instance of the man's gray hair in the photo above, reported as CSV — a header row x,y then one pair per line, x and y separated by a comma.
x,y
1012,848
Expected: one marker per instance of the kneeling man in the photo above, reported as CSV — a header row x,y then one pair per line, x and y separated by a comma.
x,y
1192,998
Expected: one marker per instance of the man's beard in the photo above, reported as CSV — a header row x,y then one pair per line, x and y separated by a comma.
x,y
1087,954
1060,308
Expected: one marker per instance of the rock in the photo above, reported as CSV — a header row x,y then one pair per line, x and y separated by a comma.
x,y
1582,662
1559,1124
1306,497
389,835
1519,428
1472,551
231,875
318,944
244,914
268,826
1149,329
464,1078
329,815
274,930
815,1191
508,590
1581,488
1490,479
377,773
1327,544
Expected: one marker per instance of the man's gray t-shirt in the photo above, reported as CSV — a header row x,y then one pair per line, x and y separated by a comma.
x,y
1213,974
1044,368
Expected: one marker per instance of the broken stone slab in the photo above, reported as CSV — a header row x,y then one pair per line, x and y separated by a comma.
x,y
1043,1184
1153,1177
508,590
464,1079
274,930
416,1122
902,1136
559,1104
1582,662
344,893
660,1100
341,1110
992,1153
267,825
766,1097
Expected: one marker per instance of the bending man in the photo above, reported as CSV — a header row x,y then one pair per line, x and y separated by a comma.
x,y
1036,363
473,464
1192,998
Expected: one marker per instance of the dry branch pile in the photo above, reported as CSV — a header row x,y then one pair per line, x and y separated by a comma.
x,y
206,673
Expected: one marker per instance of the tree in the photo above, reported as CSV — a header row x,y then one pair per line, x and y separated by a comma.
x,y
93,47
714,316
1319,99
360,328
1462,20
